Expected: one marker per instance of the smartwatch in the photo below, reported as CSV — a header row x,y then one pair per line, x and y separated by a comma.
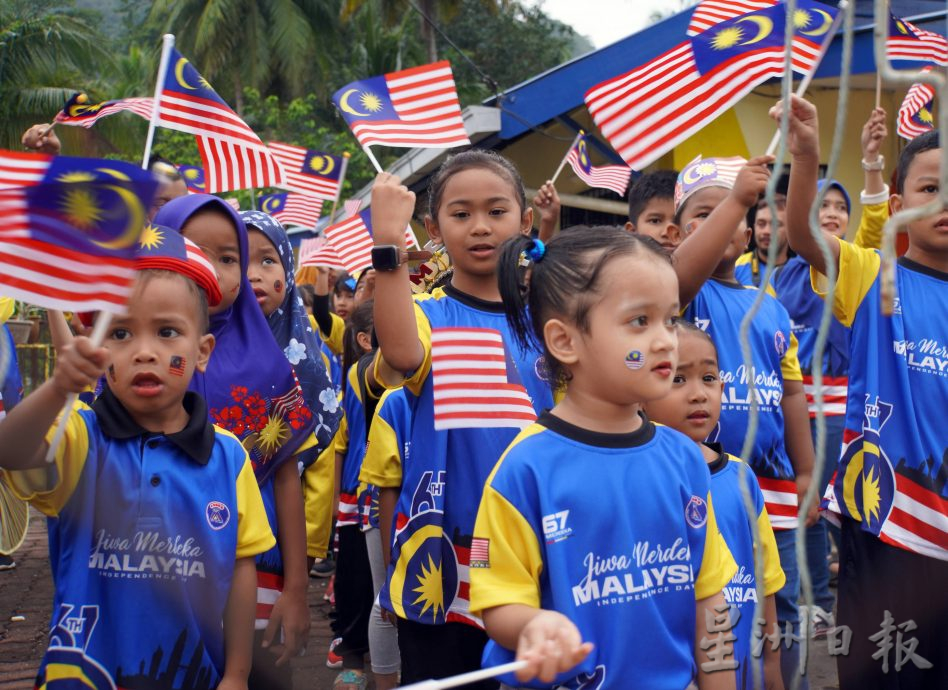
x,y
386,257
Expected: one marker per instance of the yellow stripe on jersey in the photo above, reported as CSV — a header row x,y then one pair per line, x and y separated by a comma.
x,y
341,442
253,528
790,362
414,380
774,577
717,563
382,465
869,233
858,268
7,306
336,333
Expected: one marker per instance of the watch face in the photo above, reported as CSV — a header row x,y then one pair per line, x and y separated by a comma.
x,y
385,258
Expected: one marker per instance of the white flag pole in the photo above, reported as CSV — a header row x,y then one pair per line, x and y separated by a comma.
x,y
342,180
465,678
167,43
566,157
372,158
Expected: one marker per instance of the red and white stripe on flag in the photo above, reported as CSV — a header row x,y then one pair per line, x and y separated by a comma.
x,y
471,389
915,113
352,241
915,44
140,106
291,158
301,210
614,177
352,207
426,101
710,12
326,256
780,498
309,246
230,165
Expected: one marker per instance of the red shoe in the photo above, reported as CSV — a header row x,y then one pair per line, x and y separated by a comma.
x,y
333,660
330,594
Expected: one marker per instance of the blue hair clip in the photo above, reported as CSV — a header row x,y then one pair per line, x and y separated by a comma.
x,y
536,250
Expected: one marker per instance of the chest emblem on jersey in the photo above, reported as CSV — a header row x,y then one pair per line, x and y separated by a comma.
x,y
586,681
217,514
696,512
780,343
868,476
554,527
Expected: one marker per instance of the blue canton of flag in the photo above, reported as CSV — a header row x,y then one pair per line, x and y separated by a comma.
x,y
193,177
272,204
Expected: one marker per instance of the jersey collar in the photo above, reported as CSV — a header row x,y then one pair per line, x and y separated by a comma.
x,y
639,437
721,461
472,301
196,439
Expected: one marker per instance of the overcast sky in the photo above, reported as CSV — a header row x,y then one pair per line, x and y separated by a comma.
x,y
604,21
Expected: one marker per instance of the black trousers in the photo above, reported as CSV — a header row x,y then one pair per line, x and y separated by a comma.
x,y
264,673
875,578
439,651
354,596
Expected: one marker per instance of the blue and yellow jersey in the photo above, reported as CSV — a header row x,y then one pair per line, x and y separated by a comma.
x,y
147,530
891,474
331,358
727,472
437,506
388,448
350,443
556,529
11,386
718,309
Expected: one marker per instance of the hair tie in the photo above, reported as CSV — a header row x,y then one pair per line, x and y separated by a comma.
x,y
533,253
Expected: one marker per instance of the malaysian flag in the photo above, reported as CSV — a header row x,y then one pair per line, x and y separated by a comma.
x,y
326,256
292,209
416,107
309,246
614,177
908,42
352,207
480,552
915,113
69,229
310,172
352,240
78,110
233,156
648,111
471,388
194,178
710,12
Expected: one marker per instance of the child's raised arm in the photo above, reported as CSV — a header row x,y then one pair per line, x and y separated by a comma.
x,y
701,251
547,202
804,144
395,326
23,430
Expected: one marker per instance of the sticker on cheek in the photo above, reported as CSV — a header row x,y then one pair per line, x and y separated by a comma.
x,y
112,373
278,286
177,365
635,360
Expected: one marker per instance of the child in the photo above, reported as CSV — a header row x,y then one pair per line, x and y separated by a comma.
x,y
11,390
546,572
693,407
251,390
889,492
158,515
475,202
652,208
714,205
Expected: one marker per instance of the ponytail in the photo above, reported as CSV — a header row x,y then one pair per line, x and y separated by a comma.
x,y
512,280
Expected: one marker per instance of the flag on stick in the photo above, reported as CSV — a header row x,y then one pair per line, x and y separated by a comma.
x,y
292,209
416,107
233,156
310,172
69,229
193,177
648,111
324,255
352,240
908,42
78,110
614,177
915,113
707,13
352,207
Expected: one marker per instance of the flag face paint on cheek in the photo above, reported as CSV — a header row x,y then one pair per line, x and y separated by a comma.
x,y
278,286
635,360
177,365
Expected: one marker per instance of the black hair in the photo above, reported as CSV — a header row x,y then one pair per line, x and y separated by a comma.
x,y
203,318
654,185
565,282
361,320
165,167
340,284
469,160
686,326
920,144
307,294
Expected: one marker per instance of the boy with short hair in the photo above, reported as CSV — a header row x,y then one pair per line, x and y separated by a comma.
x,y
751,266
158,514
889,492
652,208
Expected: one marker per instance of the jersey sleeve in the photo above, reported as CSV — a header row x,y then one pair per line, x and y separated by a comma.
x,y
382,464
414,380
511,572
869,233
790,362
335,338
253,528
774,577
7,307
341,442
48,488
317,502
858,270
717,563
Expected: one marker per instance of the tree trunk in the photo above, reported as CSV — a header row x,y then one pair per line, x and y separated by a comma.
x,y
430,8
238,96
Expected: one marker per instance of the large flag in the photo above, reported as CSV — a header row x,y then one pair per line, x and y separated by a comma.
x,y
292,209
69,229
309,172
707,13
648,111
78,110
194,178
233,156
614,177
915,113
471,387
908,42
352,240
319,252
416,107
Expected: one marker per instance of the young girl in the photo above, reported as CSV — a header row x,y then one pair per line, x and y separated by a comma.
x,y
251,390
475,202
554,581
693,407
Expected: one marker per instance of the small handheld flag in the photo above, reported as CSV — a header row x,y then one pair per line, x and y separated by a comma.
x,y
193,178
292,209
614,177
915,113
352,240
324,255
909,42
313,173
78,110
707,13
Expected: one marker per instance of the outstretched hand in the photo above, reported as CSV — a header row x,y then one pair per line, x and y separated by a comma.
x,y
550,644
392,207
752,180
41,139
803,140
78,366
874,133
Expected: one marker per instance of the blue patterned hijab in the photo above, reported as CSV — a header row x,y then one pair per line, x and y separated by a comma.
x,y
293,331
249,386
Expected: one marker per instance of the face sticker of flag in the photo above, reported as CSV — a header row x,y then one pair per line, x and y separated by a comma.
x,y
292,209
915,113
193,177
614,177
78,110
648,111
233,156
471,386
909,42
480,553
177,365
309,172
69,229
416,107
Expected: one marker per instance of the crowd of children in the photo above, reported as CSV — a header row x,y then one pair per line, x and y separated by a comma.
x,y
544,456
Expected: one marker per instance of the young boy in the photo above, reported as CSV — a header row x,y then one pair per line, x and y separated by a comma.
x,y
158,515
652,208
713,203
693,407
889,492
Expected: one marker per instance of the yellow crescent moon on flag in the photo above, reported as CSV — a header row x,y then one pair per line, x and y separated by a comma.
x,y
269,204
326,164
344,104
136,220
823,28
765,27
690,177
179,74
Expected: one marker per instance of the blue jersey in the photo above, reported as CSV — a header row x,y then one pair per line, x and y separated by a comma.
x,y
557,530
718,309
11,387
441,485
350,443
741,592
147,531
891,476
386,452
